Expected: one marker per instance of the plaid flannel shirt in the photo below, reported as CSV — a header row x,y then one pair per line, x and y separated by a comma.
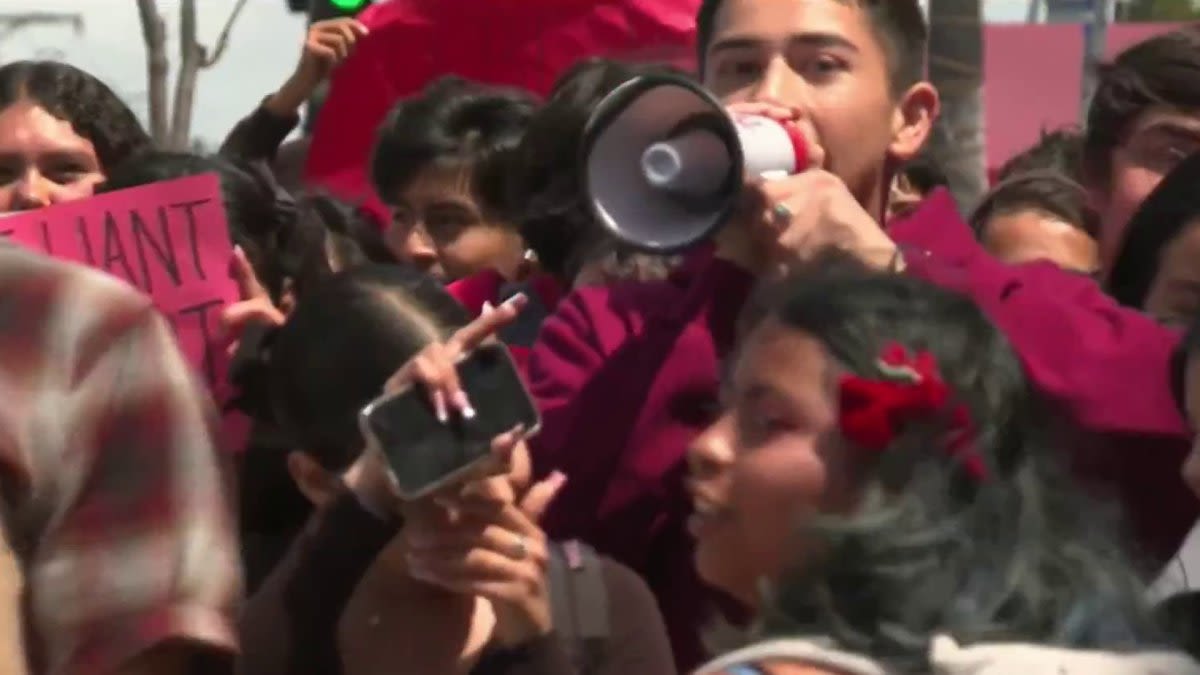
x,y
116,502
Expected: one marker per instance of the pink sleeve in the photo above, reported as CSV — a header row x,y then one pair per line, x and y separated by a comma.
x,y
1108,365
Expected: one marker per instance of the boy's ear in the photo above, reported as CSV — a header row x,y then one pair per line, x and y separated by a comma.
x,y
912,121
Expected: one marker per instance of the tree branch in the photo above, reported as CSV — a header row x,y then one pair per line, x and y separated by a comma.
x,y
154,35
191,59
223,39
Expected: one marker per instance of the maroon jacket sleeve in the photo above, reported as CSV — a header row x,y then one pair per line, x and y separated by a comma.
x,y
1107,365
570,347
625,377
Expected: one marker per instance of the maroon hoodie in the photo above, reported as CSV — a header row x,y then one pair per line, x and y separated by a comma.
x,y
627,375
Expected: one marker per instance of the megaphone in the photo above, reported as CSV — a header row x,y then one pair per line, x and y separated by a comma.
x,y
663,163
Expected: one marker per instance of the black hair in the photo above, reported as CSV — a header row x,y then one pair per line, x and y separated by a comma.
x,y
346,337
328,235
452,122
1162,216
309,378
899,24
94,111
1047,191
1161,71
544,190
924,174
1059,150
1018,556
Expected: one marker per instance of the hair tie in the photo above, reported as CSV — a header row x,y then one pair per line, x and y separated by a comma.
x,y
873,412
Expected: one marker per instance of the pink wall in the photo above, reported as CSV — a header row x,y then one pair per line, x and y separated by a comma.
x,y
1032,79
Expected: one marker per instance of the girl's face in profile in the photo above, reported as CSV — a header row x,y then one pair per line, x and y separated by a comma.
x,y
1174,295
42,160
773,458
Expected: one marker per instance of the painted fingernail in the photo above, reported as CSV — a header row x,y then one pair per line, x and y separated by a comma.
x,y
460,401
439,407
516,300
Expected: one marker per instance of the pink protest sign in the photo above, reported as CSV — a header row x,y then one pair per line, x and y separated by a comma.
x,y
170,240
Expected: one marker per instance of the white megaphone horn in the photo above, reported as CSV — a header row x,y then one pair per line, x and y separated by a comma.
x,y
663,163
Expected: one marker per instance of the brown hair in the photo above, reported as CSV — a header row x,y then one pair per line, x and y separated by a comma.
x,y
1043,190
1161,71
1058,150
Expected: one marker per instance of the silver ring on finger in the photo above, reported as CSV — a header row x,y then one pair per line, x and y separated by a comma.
x,y
781,214
520,548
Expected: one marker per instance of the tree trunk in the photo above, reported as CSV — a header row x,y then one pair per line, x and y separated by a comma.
x,y
154,34
191,60
194,57
956,69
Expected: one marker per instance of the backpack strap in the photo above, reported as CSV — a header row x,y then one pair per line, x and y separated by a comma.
x,y
579,603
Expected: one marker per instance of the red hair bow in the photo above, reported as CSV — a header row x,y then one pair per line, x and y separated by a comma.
x,y
873,412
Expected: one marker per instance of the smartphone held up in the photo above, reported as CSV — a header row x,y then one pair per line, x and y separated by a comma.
x,y
426,453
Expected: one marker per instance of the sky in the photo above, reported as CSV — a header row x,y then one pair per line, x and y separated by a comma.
x,y
262,51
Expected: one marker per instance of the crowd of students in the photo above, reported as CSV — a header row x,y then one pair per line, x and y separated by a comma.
x,y
855,433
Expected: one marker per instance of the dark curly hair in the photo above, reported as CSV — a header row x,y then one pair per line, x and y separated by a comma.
x,y
73,95
544,192
455,122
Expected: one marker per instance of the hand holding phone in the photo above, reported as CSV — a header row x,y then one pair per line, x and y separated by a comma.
x,y
436,366
441,412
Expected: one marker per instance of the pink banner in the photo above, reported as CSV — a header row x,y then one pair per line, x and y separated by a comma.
x,y
170,240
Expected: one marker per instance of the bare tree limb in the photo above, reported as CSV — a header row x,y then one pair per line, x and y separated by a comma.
x,y
191,59
154,34
223,39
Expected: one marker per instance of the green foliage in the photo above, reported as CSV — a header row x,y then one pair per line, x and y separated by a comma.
x,y
1159,10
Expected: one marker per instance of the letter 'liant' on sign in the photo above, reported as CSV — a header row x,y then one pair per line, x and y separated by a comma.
x,y
169,240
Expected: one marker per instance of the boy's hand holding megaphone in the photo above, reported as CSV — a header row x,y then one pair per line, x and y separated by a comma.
x,y
666,165
785,219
